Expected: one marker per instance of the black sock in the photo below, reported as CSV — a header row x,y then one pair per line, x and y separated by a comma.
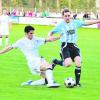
x,y
77,74
58,62
46,82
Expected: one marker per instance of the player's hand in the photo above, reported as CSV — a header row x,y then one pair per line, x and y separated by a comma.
x,y
50,38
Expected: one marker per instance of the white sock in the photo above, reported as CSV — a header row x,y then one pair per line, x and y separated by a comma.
x,y
38,82
0,41
7,41
49,76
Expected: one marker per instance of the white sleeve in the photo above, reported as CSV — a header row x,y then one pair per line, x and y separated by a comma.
x,y
40,41
17,44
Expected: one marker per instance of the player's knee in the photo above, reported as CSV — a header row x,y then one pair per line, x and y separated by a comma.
x,y
78,63
67,64
42,69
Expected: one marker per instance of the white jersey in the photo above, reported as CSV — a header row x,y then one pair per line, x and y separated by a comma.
x,y
30,50
4,24
29,47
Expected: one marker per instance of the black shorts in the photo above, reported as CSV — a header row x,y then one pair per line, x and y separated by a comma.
x,y
69,50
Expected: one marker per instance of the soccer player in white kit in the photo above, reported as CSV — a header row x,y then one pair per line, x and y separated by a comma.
x,y
37,65
5,24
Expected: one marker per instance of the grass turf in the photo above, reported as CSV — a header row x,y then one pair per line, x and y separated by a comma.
x,y
14,69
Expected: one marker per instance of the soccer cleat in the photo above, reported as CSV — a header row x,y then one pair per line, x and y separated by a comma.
x,y
53,85
27,83
78,85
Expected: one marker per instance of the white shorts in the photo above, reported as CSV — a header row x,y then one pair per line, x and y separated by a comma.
x,y
4,31
35,64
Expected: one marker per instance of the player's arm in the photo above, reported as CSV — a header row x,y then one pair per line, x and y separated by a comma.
x,y
51,38
6,49
91,22
50,34
56,29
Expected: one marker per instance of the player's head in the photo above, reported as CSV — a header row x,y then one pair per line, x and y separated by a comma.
x,y
29,31
4,11
66,14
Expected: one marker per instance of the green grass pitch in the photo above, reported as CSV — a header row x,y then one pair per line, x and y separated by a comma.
x,y
14,69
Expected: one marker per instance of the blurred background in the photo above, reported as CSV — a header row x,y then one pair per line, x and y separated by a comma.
x,y
47,8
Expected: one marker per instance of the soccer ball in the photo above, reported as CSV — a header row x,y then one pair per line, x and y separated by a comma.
x,y
69,82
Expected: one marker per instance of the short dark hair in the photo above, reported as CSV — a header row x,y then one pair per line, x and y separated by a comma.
x,y
28,29
65,10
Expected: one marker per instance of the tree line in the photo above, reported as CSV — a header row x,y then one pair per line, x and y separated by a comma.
x,y
57,5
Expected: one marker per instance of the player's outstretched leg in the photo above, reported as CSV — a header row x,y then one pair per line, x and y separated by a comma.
x,y
26,83
34,83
